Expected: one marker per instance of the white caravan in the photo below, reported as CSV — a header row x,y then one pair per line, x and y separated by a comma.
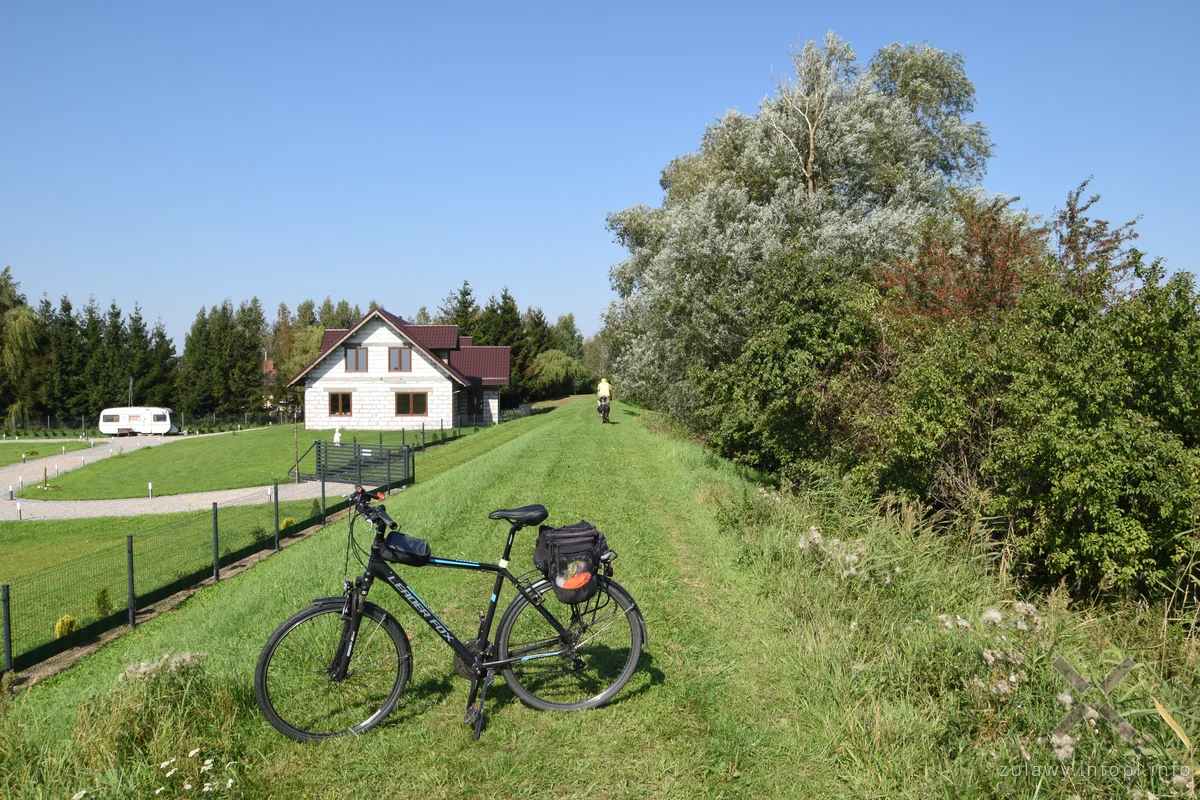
x,y
139,419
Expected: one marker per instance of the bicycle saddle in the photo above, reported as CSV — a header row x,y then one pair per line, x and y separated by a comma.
x,y
525,515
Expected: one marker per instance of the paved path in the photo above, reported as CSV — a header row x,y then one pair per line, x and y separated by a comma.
x,y
32,473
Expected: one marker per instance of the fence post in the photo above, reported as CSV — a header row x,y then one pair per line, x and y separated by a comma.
x,y
422,437
216,551
358,462
388,457
322,499
275,497
7,628
402,442
441,431
129,574
412,471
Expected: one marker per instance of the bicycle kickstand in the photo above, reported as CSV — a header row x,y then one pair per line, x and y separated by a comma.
x,y
474,715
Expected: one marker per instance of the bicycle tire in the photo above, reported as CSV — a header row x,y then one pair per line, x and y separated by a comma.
x,y
292,683
595,670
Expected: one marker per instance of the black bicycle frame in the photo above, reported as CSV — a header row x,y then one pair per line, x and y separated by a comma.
x,y
378,568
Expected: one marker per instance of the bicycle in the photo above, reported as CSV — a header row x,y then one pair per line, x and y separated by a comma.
x,y
322,674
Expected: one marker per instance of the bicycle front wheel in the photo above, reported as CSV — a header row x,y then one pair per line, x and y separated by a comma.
x,y
302,699
584,670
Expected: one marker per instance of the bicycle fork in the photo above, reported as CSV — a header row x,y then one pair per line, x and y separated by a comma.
x,y
352,614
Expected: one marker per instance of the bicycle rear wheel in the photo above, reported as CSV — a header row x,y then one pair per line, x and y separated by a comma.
x,y
599,658
296,691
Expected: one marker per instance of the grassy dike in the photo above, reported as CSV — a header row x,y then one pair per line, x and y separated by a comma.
x,y
796,650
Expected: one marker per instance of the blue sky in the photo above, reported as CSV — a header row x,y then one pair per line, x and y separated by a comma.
x,y
177,154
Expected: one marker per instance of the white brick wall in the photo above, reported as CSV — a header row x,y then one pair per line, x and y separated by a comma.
x,y
373,400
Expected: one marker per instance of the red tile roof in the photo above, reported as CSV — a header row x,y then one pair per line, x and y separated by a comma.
x,y
332,336
489,366
433,337
468,364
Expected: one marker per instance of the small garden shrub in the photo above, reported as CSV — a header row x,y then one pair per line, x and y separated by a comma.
x,y
104,606
286,522
66,625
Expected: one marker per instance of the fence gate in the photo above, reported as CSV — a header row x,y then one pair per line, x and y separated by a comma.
x,y
369,465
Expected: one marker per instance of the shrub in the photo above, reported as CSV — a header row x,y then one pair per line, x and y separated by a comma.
x,y
104,606
286,523
66,625
315,513
258,533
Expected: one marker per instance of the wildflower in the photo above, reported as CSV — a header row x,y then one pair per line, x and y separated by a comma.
x,y
1065,699
814,536
1091,715
835,542
945,620
206,768
208,762
854,625
989,657
1022,625
187,785
1001,688
79,795
962,623
193,753
160,790
172,772
1064,746
1024,609
990,617
229,783
207,787
166,763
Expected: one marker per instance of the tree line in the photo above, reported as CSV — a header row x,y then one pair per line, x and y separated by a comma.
x,y
60,365
827,292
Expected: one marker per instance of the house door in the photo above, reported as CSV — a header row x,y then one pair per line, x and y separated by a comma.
x,y
475,401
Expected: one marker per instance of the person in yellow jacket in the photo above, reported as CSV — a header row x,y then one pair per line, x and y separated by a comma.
x,y
603,396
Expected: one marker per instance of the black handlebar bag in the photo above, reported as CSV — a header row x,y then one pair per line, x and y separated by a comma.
x,y
569,557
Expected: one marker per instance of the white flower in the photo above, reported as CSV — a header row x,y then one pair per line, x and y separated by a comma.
x,y
1024,609
1021,625
166,763
1182,782
172,772
945,620
989,657
229,784
991,617
207,787
962,623
193,753
187,785
79,795
1064,746
206,768
1066,700
160,790
854,625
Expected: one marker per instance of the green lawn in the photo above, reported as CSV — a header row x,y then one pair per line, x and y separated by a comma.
x,y
228,461
57,567
11,452
771,670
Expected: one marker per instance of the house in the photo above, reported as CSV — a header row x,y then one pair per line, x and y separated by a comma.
x,y
385,374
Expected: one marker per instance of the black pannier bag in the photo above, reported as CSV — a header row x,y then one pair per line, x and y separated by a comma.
x,y
570,559
402,549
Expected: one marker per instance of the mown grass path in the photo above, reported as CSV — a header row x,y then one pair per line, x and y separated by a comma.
x,y
710,713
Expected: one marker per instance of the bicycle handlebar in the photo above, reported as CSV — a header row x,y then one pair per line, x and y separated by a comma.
x,y
377,515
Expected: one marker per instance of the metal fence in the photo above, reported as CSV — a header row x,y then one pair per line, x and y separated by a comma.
x,y
72,602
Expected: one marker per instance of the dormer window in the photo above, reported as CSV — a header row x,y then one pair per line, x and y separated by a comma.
x,y
356,359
